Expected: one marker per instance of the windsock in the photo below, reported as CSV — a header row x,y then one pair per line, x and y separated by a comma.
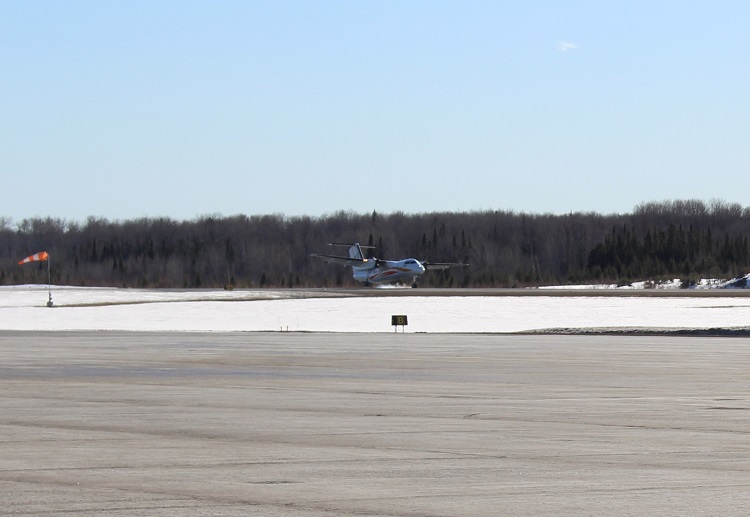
x,y
42,255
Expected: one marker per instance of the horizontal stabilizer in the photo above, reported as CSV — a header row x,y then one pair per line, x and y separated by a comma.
x,y
351,244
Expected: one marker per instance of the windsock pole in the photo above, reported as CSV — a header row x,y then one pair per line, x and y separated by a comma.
x,y
49,282
42,255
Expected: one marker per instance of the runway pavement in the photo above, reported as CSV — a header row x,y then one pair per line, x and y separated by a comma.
x,y
307,424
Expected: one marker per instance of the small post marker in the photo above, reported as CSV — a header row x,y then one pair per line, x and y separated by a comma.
x,y
399,320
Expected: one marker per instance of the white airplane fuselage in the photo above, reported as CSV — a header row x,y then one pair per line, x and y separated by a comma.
x,y
389,271
378,271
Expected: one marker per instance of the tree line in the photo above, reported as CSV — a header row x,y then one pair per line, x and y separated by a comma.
x,y
659,240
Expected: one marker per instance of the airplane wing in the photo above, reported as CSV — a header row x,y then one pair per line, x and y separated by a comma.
x,y
442,265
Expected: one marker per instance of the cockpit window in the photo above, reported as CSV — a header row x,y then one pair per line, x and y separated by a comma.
x,y
410,261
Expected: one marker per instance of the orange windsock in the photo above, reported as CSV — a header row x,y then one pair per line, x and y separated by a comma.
x,y
42,255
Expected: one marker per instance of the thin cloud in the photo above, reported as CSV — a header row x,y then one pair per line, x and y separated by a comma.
x,y
565,46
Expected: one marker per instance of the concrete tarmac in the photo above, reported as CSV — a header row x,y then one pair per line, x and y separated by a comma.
x,y
293,424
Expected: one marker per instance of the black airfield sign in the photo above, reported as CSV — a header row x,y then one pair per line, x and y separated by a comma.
x,y
399,320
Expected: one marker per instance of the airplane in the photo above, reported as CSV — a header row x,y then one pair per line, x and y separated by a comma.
x,y
379,271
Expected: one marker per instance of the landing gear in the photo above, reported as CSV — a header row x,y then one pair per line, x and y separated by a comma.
x,y
414,283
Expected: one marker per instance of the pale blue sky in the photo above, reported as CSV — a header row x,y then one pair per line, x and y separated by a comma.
x,y
184,108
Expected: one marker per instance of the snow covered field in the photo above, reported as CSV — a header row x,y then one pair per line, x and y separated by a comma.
x,y
24,308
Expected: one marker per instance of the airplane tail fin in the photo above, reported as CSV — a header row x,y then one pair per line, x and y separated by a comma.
x,y
355,250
